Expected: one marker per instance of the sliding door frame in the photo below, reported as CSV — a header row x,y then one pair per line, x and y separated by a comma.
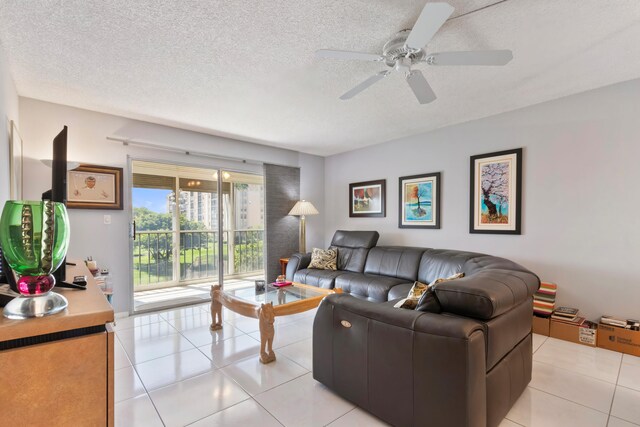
x,y
219,183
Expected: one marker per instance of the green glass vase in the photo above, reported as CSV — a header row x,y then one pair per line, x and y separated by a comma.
x,y
34,236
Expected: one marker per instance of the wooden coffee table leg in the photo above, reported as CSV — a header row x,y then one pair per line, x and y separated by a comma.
x,y
216,308
267,317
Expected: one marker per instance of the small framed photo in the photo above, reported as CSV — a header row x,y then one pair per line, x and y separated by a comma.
x,y
419,201
94,187
496,192
367,199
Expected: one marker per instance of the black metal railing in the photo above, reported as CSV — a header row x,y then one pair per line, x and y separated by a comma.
x,y
198,255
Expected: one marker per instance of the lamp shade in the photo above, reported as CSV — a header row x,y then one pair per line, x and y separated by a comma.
x,y
303,207
70,165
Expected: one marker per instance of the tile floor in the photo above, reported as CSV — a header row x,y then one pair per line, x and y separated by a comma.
x,y
172,371
157,299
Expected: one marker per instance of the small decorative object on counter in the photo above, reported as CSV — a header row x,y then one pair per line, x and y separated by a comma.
x,y
92,265
104,282
281,278
34,238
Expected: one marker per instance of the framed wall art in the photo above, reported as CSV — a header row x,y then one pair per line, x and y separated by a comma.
x,y
367,199
94,187
419,205
496,192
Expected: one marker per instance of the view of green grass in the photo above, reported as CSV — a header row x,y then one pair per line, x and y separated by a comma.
x,y
195,263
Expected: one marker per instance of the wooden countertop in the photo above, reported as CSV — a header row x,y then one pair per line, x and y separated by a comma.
x,y
86,308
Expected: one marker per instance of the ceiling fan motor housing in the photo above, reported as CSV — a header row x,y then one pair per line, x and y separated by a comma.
x,y
396,49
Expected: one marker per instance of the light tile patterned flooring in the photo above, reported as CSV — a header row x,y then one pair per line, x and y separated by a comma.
x,y
172,371
157,299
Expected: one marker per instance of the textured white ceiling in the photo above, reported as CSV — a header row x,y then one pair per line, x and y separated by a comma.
x,y
246,69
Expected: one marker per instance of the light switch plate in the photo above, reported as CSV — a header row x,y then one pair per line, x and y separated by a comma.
x,y
107,219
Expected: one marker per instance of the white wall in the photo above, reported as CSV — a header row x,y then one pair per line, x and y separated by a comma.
x,y
581,203
312,190
8,112
109,244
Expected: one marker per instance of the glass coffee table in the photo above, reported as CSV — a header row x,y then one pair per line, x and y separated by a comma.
x,y
265,305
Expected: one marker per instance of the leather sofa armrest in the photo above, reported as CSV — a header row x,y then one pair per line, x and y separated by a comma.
x,y
418,321
487,293
297,261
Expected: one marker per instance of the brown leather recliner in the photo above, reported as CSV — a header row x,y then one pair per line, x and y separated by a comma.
x,y
463,367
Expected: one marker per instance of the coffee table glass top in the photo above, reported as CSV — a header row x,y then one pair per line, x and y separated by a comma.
x,y
275,295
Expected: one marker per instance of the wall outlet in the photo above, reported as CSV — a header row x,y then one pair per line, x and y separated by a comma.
x,y
107,219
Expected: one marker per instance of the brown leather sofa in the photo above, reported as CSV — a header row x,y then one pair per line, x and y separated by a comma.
x,y
464,366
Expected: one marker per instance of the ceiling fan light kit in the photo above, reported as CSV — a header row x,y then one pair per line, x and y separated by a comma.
x,y
407,48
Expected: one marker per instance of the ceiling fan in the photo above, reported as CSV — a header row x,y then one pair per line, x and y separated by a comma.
x,y
406,49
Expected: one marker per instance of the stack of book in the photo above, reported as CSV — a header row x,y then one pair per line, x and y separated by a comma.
x,y
632,324
567,315
544,301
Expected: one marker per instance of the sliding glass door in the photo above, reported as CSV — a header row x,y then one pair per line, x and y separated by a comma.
x,y
197,206
155,231
243,224
194,227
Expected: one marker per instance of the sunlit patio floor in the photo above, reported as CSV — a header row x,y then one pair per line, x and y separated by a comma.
x,y
185,294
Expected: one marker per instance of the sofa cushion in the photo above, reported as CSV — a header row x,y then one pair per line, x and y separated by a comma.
x,y
399,291
322,259
353,247
367,286
400,262
319,278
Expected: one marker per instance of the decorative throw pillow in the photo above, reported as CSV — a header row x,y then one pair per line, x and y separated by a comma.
x,y
323,259
411,301
422,297
429,300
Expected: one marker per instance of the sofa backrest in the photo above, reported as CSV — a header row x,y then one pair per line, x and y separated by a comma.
x,y
394,261
440,263
491,285
353,247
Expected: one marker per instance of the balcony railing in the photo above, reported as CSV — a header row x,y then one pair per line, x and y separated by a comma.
x,y
197,257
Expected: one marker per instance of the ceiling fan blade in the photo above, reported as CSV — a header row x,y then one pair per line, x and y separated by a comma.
x,y
420,87
432,17
483,57
365,84
345,54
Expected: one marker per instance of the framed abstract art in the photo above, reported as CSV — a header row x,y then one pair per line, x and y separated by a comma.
x,y
496,192
367,199
419,205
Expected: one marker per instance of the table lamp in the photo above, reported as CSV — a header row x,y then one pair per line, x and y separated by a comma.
x,y
303,208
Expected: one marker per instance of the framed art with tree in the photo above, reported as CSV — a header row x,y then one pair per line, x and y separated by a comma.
x,y
419,205
496,192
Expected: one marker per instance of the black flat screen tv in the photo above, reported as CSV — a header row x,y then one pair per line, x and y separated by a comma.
x,y
58,192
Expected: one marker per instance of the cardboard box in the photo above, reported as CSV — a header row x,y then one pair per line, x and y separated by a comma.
x,y
619,339
541,325
574,333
